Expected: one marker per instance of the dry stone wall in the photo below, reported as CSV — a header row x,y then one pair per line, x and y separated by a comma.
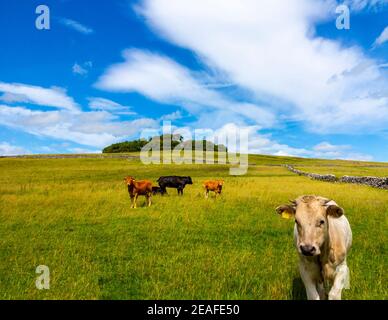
x,y
376,182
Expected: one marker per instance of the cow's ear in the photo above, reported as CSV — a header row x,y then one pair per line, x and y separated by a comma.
x,y
287,211
334,211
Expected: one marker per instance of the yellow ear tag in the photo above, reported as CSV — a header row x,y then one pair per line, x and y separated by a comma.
x,y
286,215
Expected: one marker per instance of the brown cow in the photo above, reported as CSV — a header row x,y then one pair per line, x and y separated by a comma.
x,y
138,188
213,185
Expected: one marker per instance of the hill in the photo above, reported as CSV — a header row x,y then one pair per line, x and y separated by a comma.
x,y
174,140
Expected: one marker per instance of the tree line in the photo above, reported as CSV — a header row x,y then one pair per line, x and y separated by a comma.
x,y
175,140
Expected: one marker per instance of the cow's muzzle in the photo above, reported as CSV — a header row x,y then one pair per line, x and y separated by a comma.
x,y
308,250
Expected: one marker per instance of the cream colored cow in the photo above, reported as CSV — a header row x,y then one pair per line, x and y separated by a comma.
x,y
323,237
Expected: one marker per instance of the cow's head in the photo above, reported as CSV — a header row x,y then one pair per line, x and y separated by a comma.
x,y
129,180
188,180
311,214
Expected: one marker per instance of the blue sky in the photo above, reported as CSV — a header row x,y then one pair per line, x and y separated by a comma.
x,y
107,70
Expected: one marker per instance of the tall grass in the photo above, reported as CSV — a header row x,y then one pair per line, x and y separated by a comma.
x,y
74,216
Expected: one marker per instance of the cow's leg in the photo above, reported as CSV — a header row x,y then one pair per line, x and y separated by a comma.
x,y
206,194
132,201
341,281
308,272
149,199
162,189
321,291
135,201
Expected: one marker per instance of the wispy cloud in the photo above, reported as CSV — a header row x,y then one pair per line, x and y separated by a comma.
x,y
103,104
172,116
359,5
95,128
162,79
382,38
50,97
75,25
83,150
78,69
291,76
265,144
345,152
83,69
9,150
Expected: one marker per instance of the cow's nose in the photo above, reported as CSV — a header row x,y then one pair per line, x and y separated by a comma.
x,y
307,250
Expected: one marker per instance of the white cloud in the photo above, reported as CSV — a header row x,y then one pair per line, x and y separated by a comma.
x,y
97,103
163,80
95,129
83,150
344,152
120,130
258,143
328,147
271,49
8,150
172,116
51,97
382,38
75,25
359,5
98,129
77,69
264,144
83,69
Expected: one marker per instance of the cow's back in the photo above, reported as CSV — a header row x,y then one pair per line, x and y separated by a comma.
x,y
143,187
171,181
212,185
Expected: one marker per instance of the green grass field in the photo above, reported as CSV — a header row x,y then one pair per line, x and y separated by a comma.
x,y
74,216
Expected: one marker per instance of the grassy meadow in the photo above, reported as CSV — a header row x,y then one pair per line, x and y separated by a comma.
x,y
74,216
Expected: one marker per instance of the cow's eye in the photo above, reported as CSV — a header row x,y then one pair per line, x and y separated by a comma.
x,y
321,222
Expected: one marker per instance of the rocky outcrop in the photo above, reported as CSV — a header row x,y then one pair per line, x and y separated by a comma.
x,y
376,182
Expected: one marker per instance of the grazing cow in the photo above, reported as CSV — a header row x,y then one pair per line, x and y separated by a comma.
x,y
322,237
213,185
138,188
176,182
156,190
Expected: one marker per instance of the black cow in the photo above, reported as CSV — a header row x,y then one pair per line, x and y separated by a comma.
x,y
156,190
174,182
